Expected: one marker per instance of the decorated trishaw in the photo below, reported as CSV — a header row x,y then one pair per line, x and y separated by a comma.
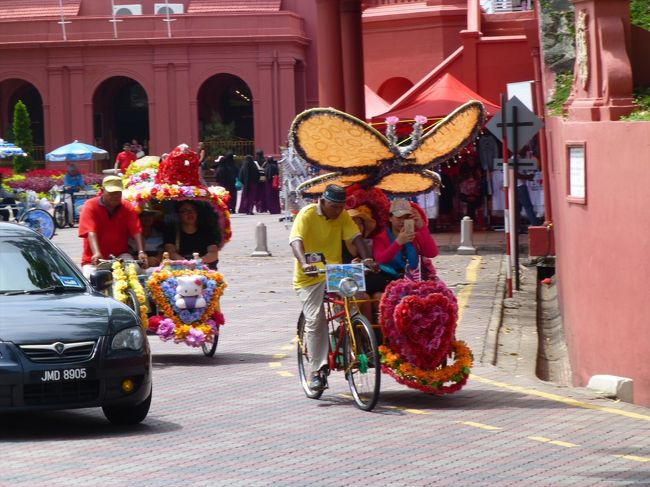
x,y
178,299
418,313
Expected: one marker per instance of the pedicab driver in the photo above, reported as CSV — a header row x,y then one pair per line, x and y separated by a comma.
x,y
321,227
105,225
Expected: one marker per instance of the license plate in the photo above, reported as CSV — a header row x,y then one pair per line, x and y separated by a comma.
x,y
59,375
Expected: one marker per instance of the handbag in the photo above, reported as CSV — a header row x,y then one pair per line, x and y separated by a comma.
x,y
238,184
275,182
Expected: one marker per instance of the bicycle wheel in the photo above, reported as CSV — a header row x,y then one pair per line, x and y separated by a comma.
x,y
362,366
133,303
210,347
59,216
39,220
303,361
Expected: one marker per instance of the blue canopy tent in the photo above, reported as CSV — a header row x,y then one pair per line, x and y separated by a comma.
x,y
7,149
76,151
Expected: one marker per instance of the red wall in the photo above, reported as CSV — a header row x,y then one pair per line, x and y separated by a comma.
x,y
397,43
603,247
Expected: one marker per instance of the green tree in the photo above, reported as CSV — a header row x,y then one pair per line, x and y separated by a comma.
x,y
22,128
215,133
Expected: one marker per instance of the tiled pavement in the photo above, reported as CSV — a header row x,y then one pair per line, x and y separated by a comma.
x,y
240,418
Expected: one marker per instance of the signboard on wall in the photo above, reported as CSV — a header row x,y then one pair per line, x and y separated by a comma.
x,y
576,173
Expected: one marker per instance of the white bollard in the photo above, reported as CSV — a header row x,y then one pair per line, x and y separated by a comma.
x,y
261,249
466,245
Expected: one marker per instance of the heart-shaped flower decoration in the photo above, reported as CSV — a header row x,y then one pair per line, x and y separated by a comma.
x,y
419,320
194,326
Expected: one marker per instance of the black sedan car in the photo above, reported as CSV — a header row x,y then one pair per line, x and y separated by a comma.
x,y
62,343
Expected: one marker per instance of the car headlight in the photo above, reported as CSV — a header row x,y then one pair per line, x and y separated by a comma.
x,y
348,287
129,338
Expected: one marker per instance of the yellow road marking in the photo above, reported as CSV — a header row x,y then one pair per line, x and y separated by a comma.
x,y
471,276
280,355
284,373
275,365
346,396
480,425
553,442
634,458
408,410
562,399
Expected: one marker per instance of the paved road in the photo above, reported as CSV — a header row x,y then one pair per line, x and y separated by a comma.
x,y
240,418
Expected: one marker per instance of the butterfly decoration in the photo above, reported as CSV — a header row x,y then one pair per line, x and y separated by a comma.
x,y
356,153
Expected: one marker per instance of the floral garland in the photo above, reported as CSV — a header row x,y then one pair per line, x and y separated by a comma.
x,y
134,283
431,381
192,327
125,280
120,282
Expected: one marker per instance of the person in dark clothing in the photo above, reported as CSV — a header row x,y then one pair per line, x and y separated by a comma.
x,y
225,174
193,233
260,161
272,186
249,175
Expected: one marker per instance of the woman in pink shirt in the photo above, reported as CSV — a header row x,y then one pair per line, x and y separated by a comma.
x,y
405,240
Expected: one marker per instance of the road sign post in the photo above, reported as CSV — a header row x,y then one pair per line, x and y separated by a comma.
x,y
514,137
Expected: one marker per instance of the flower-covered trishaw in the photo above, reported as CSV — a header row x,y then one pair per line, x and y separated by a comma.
x,y
418,313
183,294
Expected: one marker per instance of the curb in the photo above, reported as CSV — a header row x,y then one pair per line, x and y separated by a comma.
x,y
491,342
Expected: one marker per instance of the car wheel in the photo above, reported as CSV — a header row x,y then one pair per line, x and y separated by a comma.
x,y
126,415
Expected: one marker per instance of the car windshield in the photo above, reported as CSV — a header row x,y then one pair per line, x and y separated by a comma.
x,y
29,265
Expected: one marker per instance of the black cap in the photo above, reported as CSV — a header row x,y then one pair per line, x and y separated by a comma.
x,y
334,193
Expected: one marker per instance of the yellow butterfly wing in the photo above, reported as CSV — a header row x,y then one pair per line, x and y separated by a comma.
x,y
314,187
449,135
403,183
333,140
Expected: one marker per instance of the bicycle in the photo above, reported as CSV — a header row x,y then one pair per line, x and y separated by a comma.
x,y
35,218
353,346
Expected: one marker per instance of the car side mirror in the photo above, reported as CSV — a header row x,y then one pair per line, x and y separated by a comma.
x,y
101,280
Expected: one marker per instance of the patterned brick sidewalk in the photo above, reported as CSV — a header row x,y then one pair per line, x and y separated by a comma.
x,y
241,418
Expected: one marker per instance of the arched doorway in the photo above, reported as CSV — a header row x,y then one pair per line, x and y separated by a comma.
x,y
120,114
12,90
225,104
391,89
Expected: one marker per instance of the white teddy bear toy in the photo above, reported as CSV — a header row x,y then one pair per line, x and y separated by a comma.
x,y
189,292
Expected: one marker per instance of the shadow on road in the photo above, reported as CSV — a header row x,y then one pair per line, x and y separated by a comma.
x,y
200,360
78,424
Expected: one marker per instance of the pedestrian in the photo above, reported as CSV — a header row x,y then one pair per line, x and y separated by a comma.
x,y
272,186
136,148
249,175
523,199
105,225
260,162
321,228
73,181
203,163
124,159
470,186
225,175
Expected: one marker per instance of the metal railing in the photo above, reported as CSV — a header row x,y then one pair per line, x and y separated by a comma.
x,y
237,147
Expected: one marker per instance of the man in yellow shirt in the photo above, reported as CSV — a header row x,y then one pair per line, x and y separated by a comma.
x,y
321,228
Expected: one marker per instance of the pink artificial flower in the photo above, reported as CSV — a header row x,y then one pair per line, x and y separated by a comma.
x,y
195,337
392,120
421,119
165,329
